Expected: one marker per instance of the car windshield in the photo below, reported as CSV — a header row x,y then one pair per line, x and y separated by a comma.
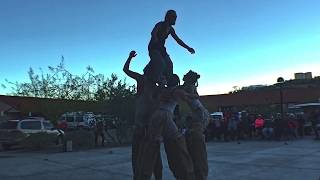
x,y
9,125
31,125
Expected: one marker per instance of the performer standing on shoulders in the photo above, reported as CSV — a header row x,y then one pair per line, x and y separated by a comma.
x,y
160,66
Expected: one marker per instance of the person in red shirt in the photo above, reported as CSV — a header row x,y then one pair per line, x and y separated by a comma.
x,y
62,125
292,126
259,124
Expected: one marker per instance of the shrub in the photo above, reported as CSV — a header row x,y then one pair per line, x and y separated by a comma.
x,y
39,141
81,139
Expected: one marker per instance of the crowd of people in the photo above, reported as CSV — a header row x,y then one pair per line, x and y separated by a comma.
x,y
236,126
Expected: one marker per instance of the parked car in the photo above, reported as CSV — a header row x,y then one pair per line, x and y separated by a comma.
x,y
77,120
13,132
216,116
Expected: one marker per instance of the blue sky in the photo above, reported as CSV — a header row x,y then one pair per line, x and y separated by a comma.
x,y
237,42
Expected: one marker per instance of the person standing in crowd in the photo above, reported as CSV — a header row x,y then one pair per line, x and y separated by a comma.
x,y
301,122
278,127
217,128
252,118
245,125
292,126
267,130
233,126
315,121
99,132
286,130
227,117
258,125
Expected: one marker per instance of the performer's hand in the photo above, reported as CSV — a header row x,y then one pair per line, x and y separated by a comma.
x,y
191,50
132,54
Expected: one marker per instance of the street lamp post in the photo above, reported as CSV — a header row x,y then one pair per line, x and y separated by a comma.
x,y
280,80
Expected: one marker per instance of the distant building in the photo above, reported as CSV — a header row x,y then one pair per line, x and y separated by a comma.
x,y
265,97
7,111
300,75
308,75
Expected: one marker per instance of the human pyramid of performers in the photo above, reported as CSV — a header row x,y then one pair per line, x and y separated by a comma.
x,y
158,94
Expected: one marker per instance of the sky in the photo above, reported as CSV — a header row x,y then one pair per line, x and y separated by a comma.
x,y
237,42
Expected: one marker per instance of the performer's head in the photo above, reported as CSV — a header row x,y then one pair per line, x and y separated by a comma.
x,y
173,81
171,17
191,78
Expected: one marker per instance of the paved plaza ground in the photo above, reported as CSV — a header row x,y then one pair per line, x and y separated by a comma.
x,y
250,160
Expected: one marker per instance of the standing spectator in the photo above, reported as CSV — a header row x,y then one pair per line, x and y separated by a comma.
x,y
218,128
233,126
285,128
252,118
258,125
63,125
245,128
267,130
292,126
226,119
301,122
315,120
209,131
99,131
278,128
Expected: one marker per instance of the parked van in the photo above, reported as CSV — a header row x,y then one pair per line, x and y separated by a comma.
x,y
78,120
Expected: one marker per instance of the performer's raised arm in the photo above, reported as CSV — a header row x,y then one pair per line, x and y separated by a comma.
x,y
126,67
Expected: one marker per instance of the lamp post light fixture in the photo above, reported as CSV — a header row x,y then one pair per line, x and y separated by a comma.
x,y
280,80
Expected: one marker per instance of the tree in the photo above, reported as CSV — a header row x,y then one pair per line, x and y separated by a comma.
x,y
59,83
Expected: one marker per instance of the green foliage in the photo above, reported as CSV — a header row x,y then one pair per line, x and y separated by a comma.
x,y
39,141
59,83
108,95
114,88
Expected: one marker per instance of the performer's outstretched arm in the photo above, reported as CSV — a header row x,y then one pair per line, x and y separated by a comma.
x,y
132,74
180,42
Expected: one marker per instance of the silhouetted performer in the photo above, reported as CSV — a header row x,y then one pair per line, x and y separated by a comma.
x,y
162,126
197,124
144,107
160,66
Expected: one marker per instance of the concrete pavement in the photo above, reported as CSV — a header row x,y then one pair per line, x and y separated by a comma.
x,y
250,160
